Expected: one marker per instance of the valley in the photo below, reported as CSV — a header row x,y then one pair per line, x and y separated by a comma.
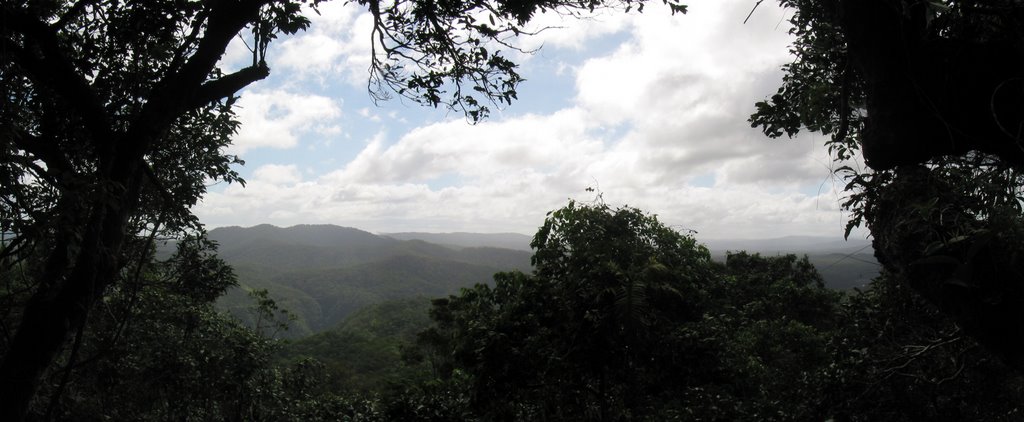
x,y
325,273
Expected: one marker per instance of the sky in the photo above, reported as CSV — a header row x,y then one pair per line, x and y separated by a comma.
x,y
648,109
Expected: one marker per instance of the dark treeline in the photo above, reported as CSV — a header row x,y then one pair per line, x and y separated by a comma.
x,y
621,319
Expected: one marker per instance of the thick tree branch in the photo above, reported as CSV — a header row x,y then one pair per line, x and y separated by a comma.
x,y
91,222
227,85
189,42
977,279
179,91
226,21
53,69
43,149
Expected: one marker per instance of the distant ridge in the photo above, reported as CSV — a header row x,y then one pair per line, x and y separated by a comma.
x,y
844,264
790,244
323,273
515,241
310,234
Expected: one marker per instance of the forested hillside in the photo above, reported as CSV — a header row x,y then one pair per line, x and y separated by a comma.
x,y
468,240
363,353
323,273
844,264
625,319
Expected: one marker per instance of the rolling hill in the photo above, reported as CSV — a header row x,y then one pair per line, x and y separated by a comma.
x,y
844,264
364,351
323,273
469,240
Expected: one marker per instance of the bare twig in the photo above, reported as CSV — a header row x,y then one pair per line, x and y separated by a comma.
x,y
752,11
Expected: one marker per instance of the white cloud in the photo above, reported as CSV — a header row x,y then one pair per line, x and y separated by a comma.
x,y
561,31
518,203
236,56
338,40
314,51
336,43
277,174
276,118
476,152
684,86
666,108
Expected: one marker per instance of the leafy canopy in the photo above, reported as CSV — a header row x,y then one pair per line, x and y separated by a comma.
x,y
625,318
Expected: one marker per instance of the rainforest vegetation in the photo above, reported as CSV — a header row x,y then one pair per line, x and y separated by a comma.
x,y
114,117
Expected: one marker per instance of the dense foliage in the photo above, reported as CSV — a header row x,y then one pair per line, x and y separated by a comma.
x,y
896,357
625,319
928,94
157,349
622,319
370,350
611,293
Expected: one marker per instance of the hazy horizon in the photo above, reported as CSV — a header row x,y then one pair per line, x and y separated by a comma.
x,y
811,238
649,109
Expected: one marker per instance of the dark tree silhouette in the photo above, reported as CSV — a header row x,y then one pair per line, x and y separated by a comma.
x,y
933,94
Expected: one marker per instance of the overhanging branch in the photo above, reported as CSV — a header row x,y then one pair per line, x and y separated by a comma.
x,y
227,85
184,89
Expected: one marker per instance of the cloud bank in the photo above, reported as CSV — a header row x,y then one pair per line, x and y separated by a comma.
x,y
656,120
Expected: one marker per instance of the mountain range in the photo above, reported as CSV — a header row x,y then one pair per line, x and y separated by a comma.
x,y
844,264
516,241
324,273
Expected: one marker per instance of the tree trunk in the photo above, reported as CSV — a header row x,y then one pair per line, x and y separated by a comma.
x,y
60,306
930,96
971,269
91,226
927,97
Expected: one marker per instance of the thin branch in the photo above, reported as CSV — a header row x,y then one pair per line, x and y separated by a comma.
x,y
752,11
921,351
